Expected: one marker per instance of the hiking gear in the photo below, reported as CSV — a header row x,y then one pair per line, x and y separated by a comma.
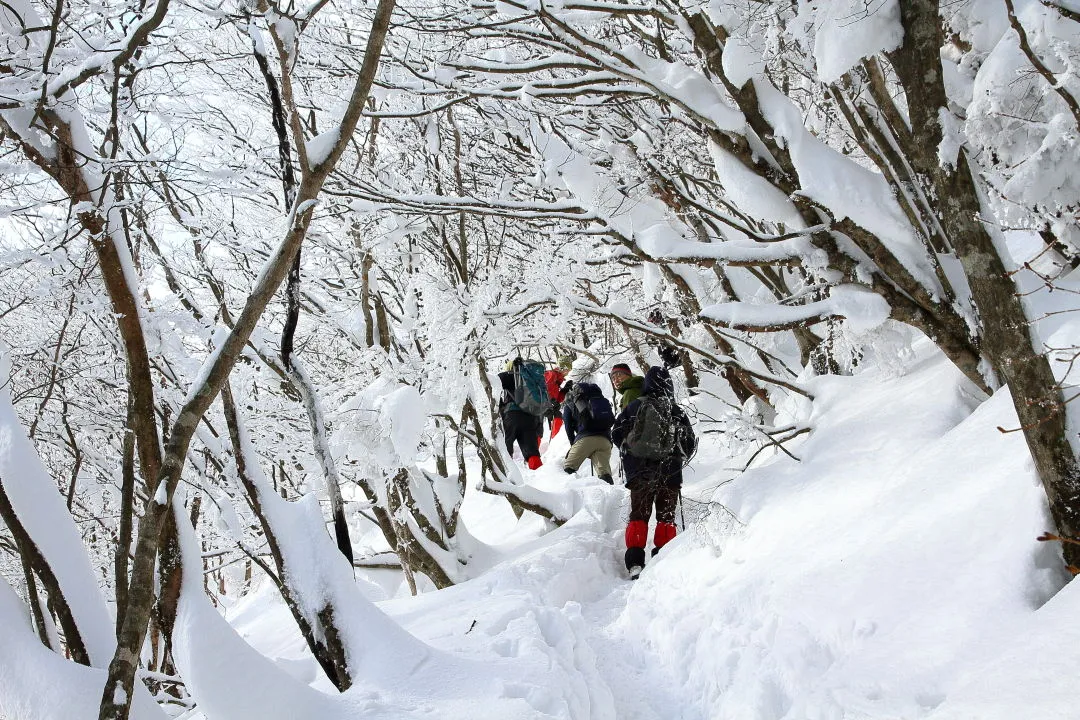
x,y
594,413
665,471
637,533
652,436
519,427
607,478
556,426
534,462
569,470
635,561
663,534
530,391
620,367
587,412
595,448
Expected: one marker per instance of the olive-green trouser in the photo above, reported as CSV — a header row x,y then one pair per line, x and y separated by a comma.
x,y
591,447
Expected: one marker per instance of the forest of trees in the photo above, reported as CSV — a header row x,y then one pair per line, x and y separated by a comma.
x,y
260,260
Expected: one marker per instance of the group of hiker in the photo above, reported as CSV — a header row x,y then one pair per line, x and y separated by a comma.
x,y
653,434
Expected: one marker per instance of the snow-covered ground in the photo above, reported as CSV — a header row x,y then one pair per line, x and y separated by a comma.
x,y
892,573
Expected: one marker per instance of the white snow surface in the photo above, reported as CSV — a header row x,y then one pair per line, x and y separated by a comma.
x,y
39,684
863,309
891,573
846,31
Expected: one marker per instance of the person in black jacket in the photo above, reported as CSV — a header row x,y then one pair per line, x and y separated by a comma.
x,y
587,417
519,426
653,482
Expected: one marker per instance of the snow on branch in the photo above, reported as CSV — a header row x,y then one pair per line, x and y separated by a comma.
x,y
861,307
138,35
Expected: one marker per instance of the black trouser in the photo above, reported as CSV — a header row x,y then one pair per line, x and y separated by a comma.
x,y
643,498
525,430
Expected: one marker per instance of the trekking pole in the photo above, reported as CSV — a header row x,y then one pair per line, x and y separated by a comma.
x,y
682,512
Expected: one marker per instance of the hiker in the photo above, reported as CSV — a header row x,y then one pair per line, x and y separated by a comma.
x,y
626,383
655,440
554,380
522,406
588,417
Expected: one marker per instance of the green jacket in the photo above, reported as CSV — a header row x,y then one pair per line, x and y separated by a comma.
x,y
630,390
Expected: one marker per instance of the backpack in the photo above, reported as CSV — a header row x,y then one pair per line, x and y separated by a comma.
x,y
594,410
530,391
652,436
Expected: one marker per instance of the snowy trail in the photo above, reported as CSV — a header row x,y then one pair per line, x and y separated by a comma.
x,y
571,594
632,672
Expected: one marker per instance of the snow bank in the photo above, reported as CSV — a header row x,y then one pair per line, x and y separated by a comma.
x,y
868,578
38,684
43,513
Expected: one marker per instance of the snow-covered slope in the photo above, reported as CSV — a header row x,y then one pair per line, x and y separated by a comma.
x,y
892,573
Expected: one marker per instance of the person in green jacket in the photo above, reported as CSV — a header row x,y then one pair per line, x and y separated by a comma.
x,y
628,384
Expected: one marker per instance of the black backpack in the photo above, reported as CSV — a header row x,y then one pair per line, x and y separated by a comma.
x,y
593,409
653,434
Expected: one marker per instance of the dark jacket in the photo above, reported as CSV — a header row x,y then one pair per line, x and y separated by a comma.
x,y
577,423
666,471
630,390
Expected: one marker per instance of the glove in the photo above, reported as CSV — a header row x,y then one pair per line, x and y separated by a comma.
x,y
566,386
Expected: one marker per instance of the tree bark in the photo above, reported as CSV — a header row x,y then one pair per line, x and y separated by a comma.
x,y
33,557
322,640
1007,336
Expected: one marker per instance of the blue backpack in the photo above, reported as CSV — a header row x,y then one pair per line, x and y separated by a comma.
x,y
530,390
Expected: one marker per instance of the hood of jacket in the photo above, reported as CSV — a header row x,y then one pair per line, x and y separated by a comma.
x,y
658,383
631,383
587,390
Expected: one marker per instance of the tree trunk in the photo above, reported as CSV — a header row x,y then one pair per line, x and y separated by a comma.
x,y
324,642
1007,340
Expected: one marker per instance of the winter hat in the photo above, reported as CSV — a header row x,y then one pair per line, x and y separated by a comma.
x,y
621,366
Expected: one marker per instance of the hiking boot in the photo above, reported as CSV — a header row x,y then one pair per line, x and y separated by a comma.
x,y
608,479
569,470
635,561
534,462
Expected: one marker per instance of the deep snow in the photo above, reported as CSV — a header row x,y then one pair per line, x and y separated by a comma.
x,y
893,572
